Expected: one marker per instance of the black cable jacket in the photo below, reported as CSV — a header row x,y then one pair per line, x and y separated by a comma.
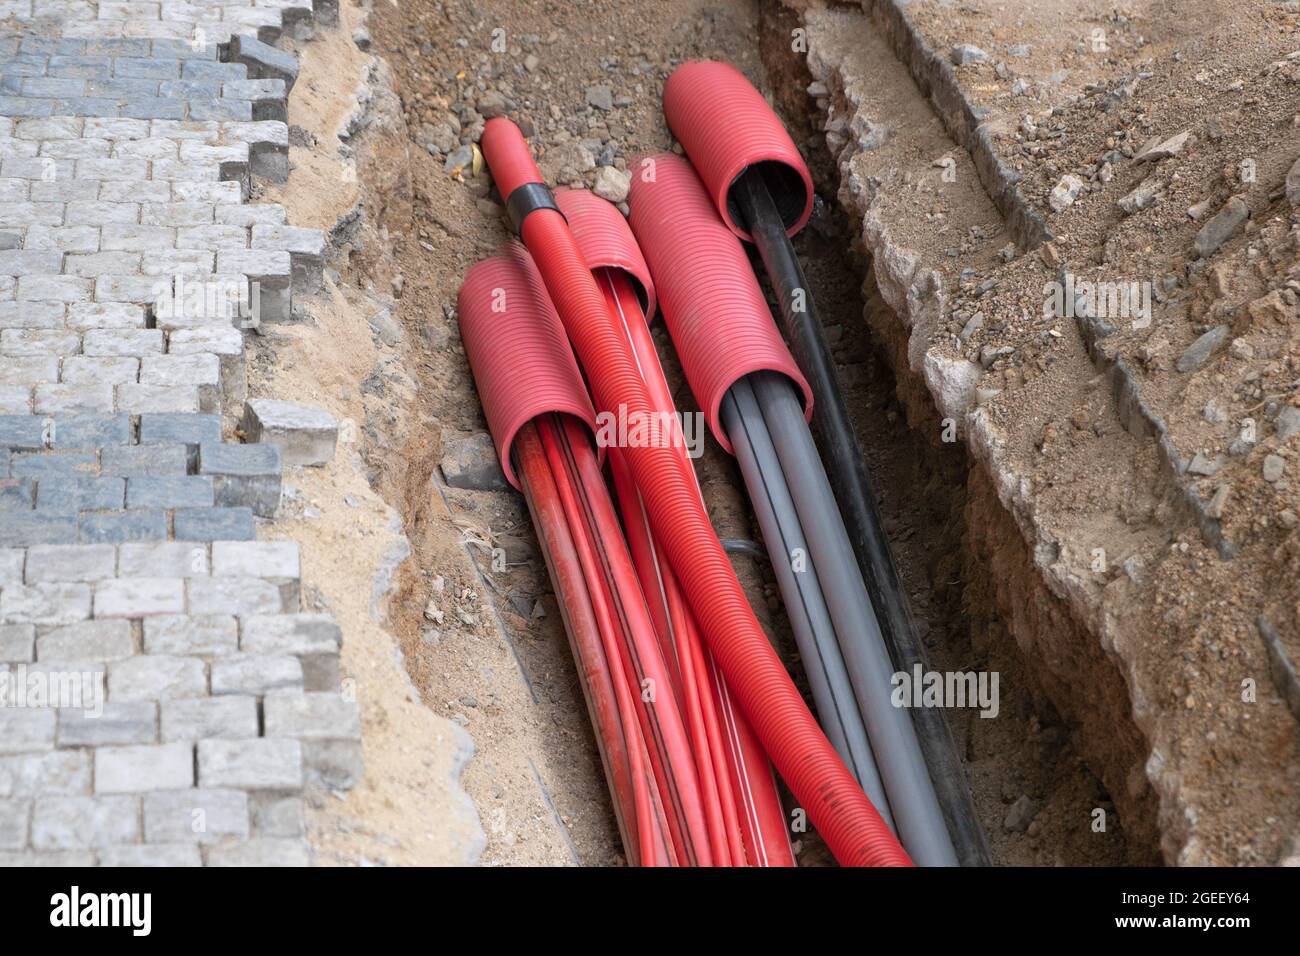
x,y
842,456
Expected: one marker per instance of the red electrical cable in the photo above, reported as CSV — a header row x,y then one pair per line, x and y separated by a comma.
x,y
747,794
616,594
835,803
617,731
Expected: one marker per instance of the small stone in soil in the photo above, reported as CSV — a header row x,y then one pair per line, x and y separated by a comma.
x,y
601,97
1020,815
964,53
1199,351
1274,467
1223,224
471,463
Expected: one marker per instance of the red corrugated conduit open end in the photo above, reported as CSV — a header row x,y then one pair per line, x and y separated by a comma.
x,y
606,242
521,358
710,300
835,803
726,126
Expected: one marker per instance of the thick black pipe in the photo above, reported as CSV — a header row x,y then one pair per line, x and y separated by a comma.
x,y
845,466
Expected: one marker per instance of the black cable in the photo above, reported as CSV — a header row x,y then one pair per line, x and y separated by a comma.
x,y
845,467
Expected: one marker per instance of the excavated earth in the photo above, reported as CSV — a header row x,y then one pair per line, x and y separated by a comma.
x,y
1074,502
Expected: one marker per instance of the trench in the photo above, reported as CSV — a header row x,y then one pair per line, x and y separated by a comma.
x,y
483,643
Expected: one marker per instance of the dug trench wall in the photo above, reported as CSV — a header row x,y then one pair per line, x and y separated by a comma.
x,y
1084,534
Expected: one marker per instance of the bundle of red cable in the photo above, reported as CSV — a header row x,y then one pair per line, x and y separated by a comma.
x,y
691,785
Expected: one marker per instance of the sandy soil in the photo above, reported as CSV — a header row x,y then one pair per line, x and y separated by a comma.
x,y
409,809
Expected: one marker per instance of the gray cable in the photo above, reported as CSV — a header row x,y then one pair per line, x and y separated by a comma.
x,y
801,591
893,737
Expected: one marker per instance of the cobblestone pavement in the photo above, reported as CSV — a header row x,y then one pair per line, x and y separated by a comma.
x,y
166,700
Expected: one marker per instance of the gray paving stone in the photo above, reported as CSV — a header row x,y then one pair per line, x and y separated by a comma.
x,y
221,109
139,597
189,430
229,717
122,342
311,716
123,526
239,595
266,763
26,729
305,434
141,461
45,603
21,432
264,60
70,563
167,855
17,643
83,493
222,72
64,859
260,559
157,677
142,768
298,634
333,764
140,399
17,494
90,67
213,524
73,399
277,815
260,852
170,491
255,674
196,816
14,817
28,370
90,431
190,89
71,823
95,641
246,475
120,722
206,635
20,529
163,559
58,773
59,464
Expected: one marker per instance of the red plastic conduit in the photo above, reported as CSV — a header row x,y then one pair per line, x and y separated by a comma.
x,y
725,126
507,322
709,297
742,770
602,234
522,361
731,763
840,810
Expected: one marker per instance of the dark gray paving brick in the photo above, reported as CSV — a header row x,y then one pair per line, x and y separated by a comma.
x,y
72,495
136,461
90,431
23,529
21,431
214,524
123,526
16,494
171,491
60,464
